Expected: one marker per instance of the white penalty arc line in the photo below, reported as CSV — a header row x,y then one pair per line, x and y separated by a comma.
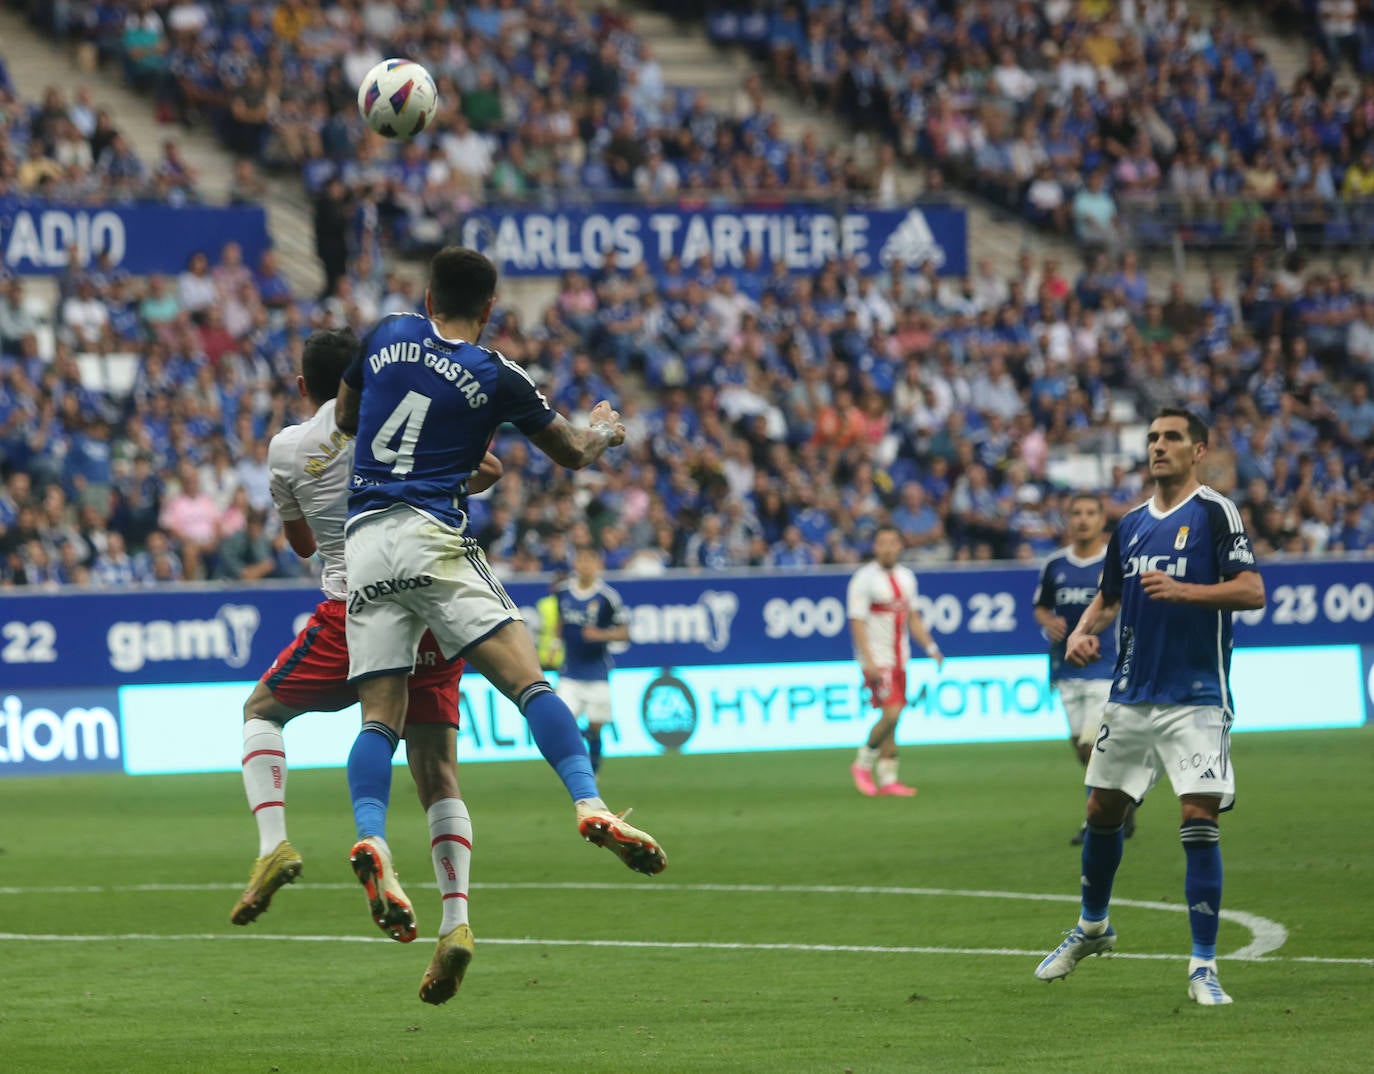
x,y
1266,935
657,945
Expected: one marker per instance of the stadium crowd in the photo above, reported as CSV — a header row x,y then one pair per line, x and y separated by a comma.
x,y
1118,123
786,416
546,100
71,150
789,416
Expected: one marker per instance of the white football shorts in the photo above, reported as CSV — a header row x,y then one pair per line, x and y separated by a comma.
x,y
407,573
1140,743
587,697
1084,700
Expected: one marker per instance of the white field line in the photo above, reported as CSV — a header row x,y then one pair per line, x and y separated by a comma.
x,y
531,941
1266,935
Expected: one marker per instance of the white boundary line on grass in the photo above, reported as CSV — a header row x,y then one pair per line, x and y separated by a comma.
x,y
1267,935
530,941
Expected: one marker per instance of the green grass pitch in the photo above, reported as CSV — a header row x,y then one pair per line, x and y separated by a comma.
x,y
776,940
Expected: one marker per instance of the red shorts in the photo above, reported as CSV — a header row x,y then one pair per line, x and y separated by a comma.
x,y
311,674
888,688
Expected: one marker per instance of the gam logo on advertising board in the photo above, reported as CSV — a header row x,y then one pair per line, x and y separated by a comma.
x,y
51,732
227,637
706,623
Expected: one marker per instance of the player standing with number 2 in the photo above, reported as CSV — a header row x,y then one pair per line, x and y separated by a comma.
x,y
1176,568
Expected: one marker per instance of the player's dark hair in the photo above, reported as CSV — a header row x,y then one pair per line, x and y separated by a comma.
x,y
1093,498
1197,428
461,283
327,354
889,527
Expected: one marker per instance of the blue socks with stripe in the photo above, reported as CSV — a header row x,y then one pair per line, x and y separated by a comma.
x,y
1201,839
369,777
593,736
1102,849
554,729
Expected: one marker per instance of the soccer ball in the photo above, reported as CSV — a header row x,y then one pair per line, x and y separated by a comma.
x,y
398,99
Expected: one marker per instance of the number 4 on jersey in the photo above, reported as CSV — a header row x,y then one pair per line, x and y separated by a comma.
x,y
407,419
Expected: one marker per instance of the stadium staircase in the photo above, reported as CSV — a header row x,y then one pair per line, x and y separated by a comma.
x,y
36,62
688,58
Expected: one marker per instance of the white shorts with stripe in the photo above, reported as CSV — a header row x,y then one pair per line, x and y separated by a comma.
x,y
407,573
1084,700
587,697
1188,743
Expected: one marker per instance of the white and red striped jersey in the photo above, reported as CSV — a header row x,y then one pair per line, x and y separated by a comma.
x,y
885,602
311,465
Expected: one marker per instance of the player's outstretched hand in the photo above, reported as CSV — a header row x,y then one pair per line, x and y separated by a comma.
x,y
1162,587
1082,649
603,414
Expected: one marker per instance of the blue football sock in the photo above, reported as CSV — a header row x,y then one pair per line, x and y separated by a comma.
x,y
1101,856
1201,840
369,777
593,748
555,733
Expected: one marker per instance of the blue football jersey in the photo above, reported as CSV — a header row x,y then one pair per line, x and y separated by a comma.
x,y
1067,586
577,608
1175,654
430,407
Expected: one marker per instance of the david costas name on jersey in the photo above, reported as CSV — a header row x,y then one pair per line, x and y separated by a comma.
x,y
448,368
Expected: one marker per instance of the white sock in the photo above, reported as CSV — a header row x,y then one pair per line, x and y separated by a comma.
x,y
450,839
866,757
886,771
1093,928
592,803
1195,964
264,781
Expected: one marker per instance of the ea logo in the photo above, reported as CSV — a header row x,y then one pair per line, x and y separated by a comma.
x,y
669,711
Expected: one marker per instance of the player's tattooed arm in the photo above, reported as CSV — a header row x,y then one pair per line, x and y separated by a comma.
x,y
346,409
1083,648
577,448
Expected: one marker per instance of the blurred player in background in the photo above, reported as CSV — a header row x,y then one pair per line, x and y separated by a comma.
x,y
424,401
548,640
1068,584
311,464
1176,568
591,616
881,603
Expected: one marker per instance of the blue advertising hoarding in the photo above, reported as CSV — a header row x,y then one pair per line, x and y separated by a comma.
x,y
59,732
549,242
214,634
154,681
36,236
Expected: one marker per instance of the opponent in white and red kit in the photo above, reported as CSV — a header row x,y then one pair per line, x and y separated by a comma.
x,y
883,617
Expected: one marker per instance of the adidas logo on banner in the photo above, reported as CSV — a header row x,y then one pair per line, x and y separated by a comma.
x,y
912,243
1202,908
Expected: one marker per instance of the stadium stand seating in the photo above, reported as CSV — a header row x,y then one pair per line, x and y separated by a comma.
x,y
1140,124
774,420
